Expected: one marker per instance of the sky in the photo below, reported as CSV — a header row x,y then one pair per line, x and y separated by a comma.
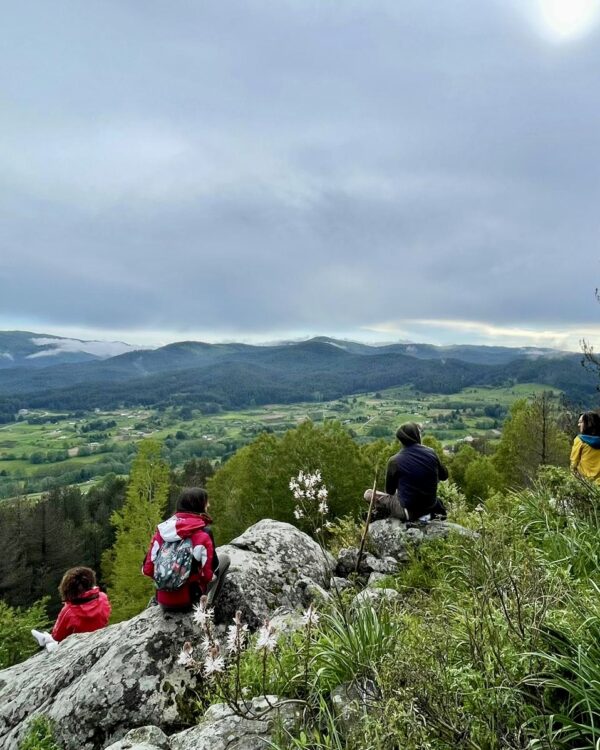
x,y
261,170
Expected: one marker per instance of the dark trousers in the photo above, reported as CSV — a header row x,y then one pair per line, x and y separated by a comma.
x,y
215,586
391,505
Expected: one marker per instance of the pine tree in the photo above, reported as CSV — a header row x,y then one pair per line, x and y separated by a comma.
x,y
531,438
134,524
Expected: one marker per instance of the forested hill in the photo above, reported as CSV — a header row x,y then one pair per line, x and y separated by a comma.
x,y
238,375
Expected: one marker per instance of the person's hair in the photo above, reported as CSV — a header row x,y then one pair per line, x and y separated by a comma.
x,y
591,423
192,500
75,582
409,433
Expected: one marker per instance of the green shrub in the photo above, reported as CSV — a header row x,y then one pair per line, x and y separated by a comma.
x,y
351,646
16,641
345,532
40,735
277,675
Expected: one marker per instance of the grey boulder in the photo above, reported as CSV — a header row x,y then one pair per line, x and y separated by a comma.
x,y
272,564
222,729
142,738
391,537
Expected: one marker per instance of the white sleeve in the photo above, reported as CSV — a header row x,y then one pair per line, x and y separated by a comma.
x,y
200,554
154,552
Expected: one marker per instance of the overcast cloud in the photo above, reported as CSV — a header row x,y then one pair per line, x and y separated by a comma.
x,y
251,169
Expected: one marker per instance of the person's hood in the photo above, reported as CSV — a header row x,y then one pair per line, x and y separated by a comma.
x,y
89,602
182,525
592,440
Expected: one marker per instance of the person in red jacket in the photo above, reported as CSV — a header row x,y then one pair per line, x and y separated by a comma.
x,y
189,522
85,608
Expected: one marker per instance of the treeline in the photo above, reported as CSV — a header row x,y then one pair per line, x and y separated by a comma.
x,y
41,538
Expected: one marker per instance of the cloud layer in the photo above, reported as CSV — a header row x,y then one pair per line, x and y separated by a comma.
x,y
258,168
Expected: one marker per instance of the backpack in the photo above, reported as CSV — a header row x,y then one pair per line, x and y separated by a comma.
x,y
173,564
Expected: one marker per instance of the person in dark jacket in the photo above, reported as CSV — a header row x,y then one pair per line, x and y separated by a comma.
x,y
208,572
411,480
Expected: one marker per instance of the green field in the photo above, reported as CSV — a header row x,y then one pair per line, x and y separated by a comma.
x,y
80,448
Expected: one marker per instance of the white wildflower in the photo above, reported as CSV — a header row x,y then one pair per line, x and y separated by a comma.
x,y
236,635
214,662
185,657
203,615
323,507
267,637
322,493
298,513
206,644
310,616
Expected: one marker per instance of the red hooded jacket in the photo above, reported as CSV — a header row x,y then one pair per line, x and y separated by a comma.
x,y
184,525
90,612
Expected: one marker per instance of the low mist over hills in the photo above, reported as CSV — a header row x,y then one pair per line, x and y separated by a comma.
x,y
54,373
27,349
482,355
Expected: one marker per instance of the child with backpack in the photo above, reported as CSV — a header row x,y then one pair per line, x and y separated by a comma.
x,y
85,608
182,558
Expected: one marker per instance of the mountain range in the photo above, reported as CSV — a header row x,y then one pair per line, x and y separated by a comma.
x,y
50,372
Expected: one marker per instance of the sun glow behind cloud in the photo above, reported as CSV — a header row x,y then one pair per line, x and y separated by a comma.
x,y
566,20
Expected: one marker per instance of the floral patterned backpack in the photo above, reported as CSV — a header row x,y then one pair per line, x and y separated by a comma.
x,y
173,564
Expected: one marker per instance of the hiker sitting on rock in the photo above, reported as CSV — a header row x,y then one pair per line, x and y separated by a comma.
x,y
585,454
85,608
411,480
182,558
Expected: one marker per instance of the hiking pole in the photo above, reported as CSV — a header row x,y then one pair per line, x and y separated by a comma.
x,y
364,536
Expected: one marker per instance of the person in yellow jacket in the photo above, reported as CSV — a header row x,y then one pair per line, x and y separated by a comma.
x,y
585,454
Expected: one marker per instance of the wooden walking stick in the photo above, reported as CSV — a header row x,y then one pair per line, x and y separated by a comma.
x,y
364,536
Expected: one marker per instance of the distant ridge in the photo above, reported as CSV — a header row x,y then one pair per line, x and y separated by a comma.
x,y
233,375
477,354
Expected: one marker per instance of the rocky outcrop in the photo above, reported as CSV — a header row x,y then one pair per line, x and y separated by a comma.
x,y
98,685
351,701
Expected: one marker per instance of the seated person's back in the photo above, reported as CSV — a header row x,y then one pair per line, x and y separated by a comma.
x,y
414,473
411,480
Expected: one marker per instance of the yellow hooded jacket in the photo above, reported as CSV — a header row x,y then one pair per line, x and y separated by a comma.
x,y
585,456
